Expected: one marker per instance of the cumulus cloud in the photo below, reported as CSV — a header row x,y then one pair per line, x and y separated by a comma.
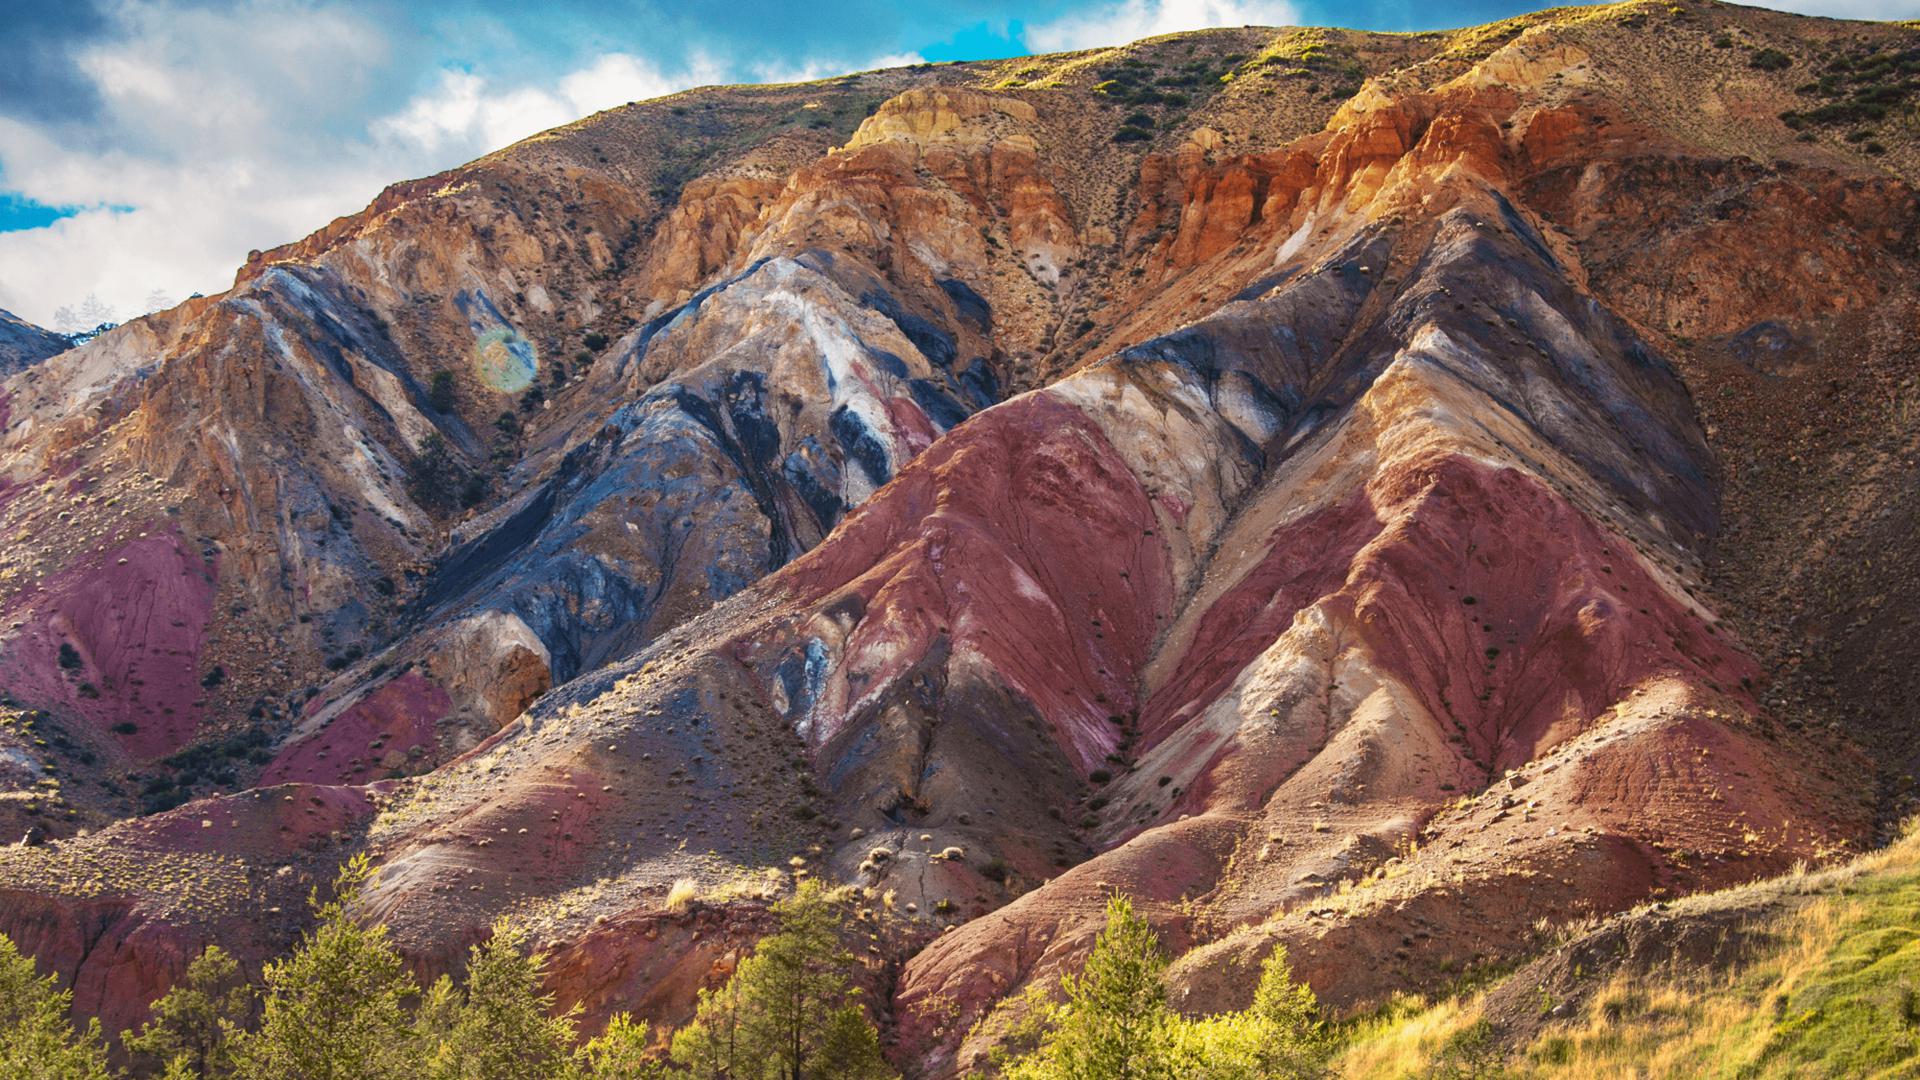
x,y
1850,9
1131,20
216,129
465,113
194,152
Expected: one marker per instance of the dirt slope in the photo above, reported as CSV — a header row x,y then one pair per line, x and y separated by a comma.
x,y
1372,492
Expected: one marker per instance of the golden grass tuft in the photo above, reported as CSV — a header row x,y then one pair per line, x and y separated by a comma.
x,y
682,894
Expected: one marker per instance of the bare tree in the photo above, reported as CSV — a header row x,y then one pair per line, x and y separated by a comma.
x,y
90,314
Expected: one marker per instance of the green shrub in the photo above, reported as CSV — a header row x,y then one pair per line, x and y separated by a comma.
x,y
196,1021
440,394
36,1040
336,1008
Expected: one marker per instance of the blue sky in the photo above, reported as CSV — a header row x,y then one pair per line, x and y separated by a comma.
x,y
147,145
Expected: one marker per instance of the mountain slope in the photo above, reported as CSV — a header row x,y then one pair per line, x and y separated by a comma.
x,y
23,344
1318,482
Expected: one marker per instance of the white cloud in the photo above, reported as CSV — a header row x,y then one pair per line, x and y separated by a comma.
x,y
466,114
1851,9
250,126
814,70
207,144
1131,20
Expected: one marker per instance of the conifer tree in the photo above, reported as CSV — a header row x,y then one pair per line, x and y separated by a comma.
x,y
1296,1038
504,1029
336,1008
789,1011
621,1052
196,1021
710,1047
36,1040
1115,1024
850,1048
437,1012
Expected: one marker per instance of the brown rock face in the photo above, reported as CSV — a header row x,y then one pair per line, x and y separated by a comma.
x,y
1345,508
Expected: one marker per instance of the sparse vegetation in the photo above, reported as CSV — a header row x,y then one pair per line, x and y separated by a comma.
x,y
1833,994
1855,87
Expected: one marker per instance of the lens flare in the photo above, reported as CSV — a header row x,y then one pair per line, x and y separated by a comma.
x,y
504,360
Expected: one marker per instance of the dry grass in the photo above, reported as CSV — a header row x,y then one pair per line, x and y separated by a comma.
x,y
1403,1040
1837,994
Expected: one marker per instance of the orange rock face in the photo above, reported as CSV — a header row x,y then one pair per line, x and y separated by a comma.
x,y
1336,507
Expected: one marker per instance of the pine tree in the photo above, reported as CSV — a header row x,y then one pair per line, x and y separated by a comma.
x,y
621,1052
850,1048
505,1028
438,1011
36,1041
1296,1039
336,1008
440,393
710,1047
1236,1046
788,1012
1115,1024
197,1020
793,980
436,478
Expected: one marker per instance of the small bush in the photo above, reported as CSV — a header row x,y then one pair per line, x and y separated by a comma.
x,y
164,801
1770,60
440,392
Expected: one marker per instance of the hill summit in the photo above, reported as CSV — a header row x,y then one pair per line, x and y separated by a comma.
x,y
1388,495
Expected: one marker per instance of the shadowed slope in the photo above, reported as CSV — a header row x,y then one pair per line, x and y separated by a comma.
x,y
1298,519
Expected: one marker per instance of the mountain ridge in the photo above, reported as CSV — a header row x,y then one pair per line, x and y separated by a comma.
x,y
1311,515
23,344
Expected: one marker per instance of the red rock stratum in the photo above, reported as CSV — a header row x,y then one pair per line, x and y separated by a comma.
x,y
1386,494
